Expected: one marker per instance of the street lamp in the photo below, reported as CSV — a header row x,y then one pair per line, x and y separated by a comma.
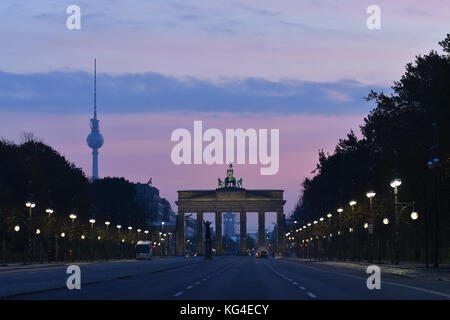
x,y
395,183
386,221
92,221
340,210
352,203
329,215
72,217
17,228
414,215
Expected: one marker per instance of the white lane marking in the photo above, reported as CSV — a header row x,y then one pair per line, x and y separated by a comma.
x,y
442,294
204,279
293,282
178,269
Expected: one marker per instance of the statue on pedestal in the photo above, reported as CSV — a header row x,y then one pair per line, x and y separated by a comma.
x,y
208,242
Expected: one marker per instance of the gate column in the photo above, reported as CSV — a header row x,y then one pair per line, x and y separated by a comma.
x,y
218,237
261,227
180,237
243,238
200,233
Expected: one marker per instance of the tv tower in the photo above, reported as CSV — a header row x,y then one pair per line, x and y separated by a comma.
x,y
95,138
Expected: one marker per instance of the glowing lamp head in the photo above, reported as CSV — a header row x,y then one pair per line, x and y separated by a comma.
x,y
366,225
396,183
17,228
352,203
72,216
386,221
92,221
414,215
63,234
38,231
340,210
329,215
107,223
370,194
321,219
119,226
49,210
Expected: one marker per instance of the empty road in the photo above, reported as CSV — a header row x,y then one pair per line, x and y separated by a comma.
x,y
223,278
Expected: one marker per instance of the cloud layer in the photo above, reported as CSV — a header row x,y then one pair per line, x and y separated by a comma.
x,y
72,93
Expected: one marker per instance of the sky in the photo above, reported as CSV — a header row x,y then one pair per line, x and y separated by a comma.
x,y
303,67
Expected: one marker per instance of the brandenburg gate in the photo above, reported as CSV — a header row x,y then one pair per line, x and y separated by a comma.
x,y
230,196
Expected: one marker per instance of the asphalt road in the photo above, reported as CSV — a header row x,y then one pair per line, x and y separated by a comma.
x,y
223,278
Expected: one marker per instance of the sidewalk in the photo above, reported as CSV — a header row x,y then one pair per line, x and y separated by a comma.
x,y
36,265
405,269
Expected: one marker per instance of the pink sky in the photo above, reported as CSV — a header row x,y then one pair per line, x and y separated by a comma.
x,y
138,146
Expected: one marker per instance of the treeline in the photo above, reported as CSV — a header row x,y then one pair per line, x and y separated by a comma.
x,y
406,136
34,172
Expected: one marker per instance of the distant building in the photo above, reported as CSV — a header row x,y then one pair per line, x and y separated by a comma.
x,y
229,224
158,209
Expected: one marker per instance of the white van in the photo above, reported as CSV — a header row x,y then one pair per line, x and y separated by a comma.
x,y
144,250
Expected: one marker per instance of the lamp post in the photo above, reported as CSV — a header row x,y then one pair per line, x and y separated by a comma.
x,y
118,236
49,212
91,240
330,231
72,217
370,195
30,205
352,204
395,183
107,223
